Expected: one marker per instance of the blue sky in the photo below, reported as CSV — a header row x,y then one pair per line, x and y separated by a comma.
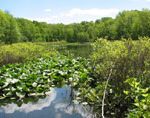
x,y
69,11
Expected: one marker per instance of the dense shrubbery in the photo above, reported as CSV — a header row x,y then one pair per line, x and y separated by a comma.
x,y
126,59
20,52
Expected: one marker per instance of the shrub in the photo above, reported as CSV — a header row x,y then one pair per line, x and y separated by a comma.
x,y
141,97
126,58
20,52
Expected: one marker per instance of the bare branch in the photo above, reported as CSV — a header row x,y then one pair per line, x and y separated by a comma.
x,y
104,94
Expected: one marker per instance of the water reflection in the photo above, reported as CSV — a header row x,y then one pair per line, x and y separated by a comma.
x,y
82,50
53,106
76,50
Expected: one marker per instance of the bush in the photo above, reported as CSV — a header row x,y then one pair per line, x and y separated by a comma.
x,y
20,52
126,58
141,96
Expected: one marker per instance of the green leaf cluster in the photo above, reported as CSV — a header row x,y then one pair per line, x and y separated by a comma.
x,y
20,82
127,59
141,97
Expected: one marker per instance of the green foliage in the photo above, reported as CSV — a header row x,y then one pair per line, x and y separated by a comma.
x,y
9,32
83,37
3,22
141,96
18,82
20,52
12,33
126,58
69,33
124,97
27,30
127,24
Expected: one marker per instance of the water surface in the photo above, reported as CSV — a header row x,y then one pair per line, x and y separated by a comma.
x,y
76,50
55,105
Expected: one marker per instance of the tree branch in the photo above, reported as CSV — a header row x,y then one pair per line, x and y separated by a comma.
x,y
104,94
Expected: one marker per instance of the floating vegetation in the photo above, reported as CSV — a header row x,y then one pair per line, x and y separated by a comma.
x,y
21,83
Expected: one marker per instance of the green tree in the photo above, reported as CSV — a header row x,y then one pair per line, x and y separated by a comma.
x,y
10,33
128,24
83,37
69,34
144,23
3,25
27,30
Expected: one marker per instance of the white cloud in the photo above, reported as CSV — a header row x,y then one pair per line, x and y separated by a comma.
x,y
47,10
78,15
90,12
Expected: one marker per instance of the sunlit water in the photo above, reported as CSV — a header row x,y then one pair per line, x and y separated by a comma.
x,y
55,105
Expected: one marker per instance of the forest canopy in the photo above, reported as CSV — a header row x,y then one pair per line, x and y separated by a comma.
x,y
131,24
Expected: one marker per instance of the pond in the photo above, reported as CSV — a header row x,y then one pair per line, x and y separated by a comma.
x,y
57,103
76,50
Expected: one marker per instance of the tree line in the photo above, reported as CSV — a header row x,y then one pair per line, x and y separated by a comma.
x,y
127,24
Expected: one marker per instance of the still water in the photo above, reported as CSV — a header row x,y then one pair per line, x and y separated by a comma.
x,y
55,105
75,50
57,102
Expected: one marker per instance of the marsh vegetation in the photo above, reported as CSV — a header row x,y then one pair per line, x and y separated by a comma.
x,y
111,76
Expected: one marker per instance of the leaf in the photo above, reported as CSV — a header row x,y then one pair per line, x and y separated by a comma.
x,y
126,92
34,84
20,95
